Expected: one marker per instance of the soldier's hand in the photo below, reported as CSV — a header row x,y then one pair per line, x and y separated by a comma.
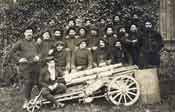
x,y
23,60
50,51
36,58
51,88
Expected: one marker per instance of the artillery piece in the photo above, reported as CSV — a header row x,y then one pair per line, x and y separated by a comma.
x,y
114,82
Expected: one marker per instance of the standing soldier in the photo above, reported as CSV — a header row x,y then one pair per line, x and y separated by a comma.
x,y
150,46
110,37
122,35
27,51
101,26
58,35
81,57
132,44
46,45
93,37
71,39
116,23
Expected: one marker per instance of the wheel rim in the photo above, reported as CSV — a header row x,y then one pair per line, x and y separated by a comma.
x,y
33,106
123,90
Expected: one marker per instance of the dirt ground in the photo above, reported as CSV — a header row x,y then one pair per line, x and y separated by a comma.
x,y
11,101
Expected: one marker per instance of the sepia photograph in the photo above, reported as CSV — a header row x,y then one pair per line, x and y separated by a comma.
x,y
87,55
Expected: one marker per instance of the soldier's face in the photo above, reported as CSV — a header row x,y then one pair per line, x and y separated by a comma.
x,y
93,32
122,30
135,16
148,25
83,45
101,43
78,22
88,23
82,32
109,31
133,28
28,34
71,23
102,21
117,44
46,36
72,32
116,19
57,33
59,47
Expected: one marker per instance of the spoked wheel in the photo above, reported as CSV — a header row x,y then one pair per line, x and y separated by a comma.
x,y
123,90
33,106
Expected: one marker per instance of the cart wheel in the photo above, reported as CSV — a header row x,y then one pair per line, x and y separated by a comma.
x,y
123,90
33,106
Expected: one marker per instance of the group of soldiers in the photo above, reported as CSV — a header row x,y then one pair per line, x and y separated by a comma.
x,y
82,46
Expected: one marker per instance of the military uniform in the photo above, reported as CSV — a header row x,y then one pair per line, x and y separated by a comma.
x,y
30,72
151,45
102,56
117,55
81,58
110,39
45,81
71,42
132,43
62,59
44,48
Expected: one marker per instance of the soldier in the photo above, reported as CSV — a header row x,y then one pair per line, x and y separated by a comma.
x,y
71,23
117,53
27,51
151,45
102,55
122,35
81,57
110,37
62,57
82,32
93,37
71,39
51,83
132,45
88,24
101,26
46,45
116,23
58,35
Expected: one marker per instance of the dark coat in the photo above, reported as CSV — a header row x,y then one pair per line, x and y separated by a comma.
x,y
82,57
151,45
44,48
24,49
101,55
62,58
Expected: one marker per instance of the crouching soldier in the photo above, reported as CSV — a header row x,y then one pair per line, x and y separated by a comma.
x,y
81,57
62,57
51,83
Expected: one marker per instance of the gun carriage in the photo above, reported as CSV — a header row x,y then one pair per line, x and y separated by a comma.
x,y
116,83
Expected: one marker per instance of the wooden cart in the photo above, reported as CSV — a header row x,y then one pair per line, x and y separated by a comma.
x,y
116,83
